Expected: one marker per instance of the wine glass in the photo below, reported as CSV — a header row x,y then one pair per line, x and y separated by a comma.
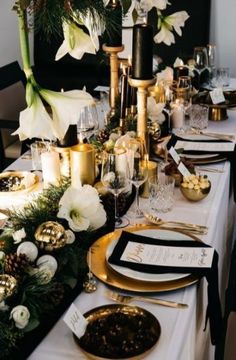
x,y
137,170
114,178
88,122
201,58
201,65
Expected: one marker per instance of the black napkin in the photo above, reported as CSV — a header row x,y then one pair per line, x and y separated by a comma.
x,y
213,312
230,155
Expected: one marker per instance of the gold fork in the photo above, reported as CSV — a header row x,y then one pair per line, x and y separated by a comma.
x,y
125,299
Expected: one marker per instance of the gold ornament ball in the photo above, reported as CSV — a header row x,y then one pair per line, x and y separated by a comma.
x,y
50,236
7,286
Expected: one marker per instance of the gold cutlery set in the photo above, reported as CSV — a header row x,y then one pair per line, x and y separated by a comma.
x,y
219,136
193,228
125,299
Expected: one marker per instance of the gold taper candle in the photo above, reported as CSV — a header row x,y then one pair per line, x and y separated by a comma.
x,y
82,160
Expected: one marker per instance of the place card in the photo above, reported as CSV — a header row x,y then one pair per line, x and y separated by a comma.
x,y
183,170
205,146
174,256
217,96
173,153
75,321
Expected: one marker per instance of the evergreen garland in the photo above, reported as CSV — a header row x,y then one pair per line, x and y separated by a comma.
x,y
39,296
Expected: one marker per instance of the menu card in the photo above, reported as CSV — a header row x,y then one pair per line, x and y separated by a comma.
x,y
205,146
168,255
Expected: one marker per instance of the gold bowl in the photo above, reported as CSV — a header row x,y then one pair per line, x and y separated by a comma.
x,y
195,194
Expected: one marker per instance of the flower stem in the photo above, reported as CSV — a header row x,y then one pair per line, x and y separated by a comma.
x,y
24,42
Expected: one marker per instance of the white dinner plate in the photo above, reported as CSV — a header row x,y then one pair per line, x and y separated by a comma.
x,y
137,275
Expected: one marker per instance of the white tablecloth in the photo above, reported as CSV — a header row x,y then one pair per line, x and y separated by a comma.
x,y
182,336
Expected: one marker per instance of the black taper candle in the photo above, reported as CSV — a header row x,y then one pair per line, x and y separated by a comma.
x,y
128,91
142,52
114,35
123,93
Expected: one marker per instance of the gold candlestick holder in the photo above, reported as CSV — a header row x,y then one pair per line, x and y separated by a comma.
x,y
114,76
142,86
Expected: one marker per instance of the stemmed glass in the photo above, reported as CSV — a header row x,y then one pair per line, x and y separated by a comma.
x,y
137,170
88,122
201,64
114,178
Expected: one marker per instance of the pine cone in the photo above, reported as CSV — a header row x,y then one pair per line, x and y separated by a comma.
x,y
56,294
103,135
15,264
109,203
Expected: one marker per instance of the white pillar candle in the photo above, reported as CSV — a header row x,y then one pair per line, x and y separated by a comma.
x,y
177,116
121,160
50,167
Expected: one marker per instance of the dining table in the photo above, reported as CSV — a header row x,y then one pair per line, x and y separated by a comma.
x,y
182,329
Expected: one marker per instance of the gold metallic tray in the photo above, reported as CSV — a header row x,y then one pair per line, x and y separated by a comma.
x,y
104,273
20,174
128,314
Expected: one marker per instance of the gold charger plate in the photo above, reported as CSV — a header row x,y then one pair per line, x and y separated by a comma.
x,y
111,328
110,277
20,174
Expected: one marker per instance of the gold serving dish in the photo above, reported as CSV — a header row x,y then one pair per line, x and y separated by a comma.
x,y
217,112
17,182
196,192
119,332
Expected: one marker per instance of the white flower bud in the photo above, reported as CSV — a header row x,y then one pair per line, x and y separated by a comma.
x,y
20,314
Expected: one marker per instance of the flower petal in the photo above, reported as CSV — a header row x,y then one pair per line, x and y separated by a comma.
x,y
66,107
35,122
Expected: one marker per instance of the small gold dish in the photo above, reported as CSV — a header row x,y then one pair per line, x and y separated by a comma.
x,y
195,195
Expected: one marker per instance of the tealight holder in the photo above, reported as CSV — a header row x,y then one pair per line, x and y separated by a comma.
x,y
114,76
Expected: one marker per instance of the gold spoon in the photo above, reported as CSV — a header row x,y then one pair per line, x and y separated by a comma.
x,y
158,221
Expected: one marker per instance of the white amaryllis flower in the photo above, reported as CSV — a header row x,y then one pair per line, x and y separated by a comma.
x,y
35,122
65,108
95,27
20,314
76,42
19,235
149,4
82,208
167,24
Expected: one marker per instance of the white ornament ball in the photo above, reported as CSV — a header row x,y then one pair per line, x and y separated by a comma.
x,y
29,249
47,261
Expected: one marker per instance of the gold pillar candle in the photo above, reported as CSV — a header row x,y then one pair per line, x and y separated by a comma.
x,y
82,160
152,171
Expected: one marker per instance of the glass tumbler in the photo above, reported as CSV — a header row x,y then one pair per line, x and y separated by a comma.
x,y
161,193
